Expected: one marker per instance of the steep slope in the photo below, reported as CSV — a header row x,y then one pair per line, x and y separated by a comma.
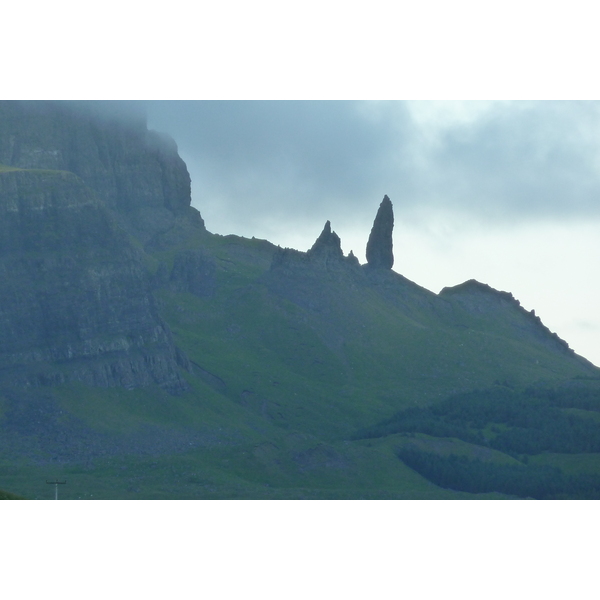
x,y
488,305
319,343
82,189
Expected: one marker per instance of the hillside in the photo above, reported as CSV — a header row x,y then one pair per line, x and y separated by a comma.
x,y
144,357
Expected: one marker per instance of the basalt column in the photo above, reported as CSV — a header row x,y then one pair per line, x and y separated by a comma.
x,y
379,247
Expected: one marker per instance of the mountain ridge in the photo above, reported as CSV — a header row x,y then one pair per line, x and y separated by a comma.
x,y
130,333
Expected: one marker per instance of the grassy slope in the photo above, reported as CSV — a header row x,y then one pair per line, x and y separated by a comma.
x,y
274,360
279,388
382,360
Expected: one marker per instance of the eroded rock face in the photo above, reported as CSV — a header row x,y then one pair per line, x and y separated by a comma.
x,y
137,173
380,247
75,300
325,256
327,245
193,272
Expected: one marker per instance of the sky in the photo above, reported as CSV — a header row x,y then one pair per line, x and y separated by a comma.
x,y
504,192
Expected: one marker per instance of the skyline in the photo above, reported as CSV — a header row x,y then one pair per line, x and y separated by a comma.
x,y
503,192
441,51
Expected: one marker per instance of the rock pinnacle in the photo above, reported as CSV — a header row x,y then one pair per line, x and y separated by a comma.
x,y
328,241
379,247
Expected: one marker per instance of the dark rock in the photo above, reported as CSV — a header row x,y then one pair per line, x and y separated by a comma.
x,y
193,272
352,260
75,301
327,244
137,173
325,255
287,259
379,247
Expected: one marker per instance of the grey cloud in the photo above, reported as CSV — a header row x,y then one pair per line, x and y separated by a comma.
x,y
289,158
297,161
325,142
125,110
524,161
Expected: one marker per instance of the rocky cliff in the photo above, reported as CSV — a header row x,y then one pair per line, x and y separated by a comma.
x,y
137,173
76,301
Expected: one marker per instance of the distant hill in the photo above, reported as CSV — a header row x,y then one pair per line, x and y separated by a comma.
x,y
142,356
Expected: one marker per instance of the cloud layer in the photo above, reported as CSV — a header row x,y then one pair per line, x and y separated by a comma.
x,y
506,192
257,163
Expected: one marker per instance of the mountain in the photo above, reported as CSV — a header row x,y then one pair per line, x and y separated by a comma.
x,y
142,356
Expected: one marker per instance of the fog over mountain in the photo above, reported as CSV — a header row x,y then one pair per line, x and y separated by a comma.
x,y
504,192
497,191
141,349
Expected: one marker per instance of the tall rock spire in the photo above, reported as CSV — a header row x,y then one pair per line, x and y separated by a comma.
x,y
379,247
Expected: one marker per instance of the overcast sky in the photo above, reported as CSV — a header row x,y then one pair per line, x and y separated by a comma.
x,y
504,193
507,193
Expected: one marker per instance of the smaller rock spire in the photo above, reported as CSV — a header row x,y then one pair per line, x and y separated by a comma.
x,y
380,247
328,241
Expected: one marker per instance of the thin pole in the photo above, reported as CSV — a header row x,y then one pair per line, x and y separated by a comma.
x,y
56,484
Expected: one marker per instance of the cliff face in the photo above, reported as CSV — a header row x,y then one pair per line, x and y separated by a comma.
x,y
137,173
75,300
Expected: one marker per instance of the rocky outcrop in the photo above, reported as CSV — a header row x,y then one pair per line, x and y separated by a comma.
x,y
325,255
352,260
75,301
137,173
193,272
78,182
483,300
328,243
379,247
310,279
327,249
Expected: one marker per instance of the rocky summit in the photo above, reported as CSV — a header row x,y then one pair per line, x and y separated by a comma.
x,y
142,356
328,241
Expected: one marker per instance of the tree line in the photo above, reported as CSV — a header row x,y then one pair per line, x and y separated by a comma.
x,y
475,476
518,423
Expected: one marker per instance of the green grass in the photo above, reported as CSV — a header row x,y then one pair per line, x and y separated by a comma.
x,y
7,168
8,496
572,464
282,382
226,473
